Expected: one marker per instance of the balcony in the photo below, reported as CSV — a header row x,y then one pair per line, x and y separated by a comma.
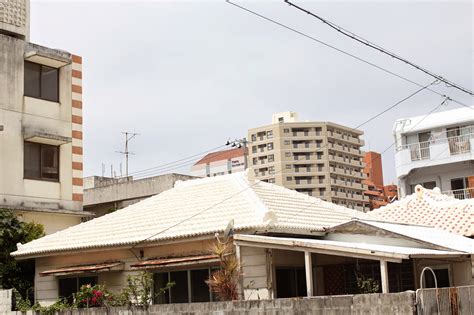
x,y
432,153
461,194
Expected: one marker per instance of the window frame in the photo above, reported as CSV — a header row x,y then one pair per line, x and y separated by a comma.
x,y
210,269
41,97
41,178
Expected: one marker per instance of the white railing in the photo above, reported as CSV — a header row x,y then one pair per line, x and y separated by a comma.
x,y
460,144
462,194
419,151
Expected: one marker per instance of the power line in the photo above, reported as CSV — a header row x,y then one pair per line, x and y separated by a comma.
x,y
379,48
276,173
341,51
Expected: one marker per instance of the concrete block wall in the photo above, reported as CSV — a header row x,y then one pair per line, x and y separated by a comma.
x,y
392,303
6,300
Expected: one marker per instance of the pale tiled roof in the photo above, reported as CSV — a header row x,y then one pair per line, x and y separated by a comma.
x,y
212,202
430,207
392,251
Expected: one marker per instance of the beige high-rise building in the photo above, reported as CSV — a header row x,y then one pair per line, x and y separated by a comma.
x,y
322,159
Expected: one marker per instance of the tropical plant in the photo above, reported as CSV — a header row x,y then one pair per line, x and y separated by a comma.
x,y
91,296
16,274
224,281
366,284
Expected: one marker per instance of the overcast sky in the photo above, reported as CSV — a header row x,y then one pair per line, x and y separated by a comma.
x,y
189,75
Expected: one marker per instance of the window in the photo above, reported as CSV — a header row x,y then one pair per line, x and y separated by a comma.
x,y
269,134
287,142
254,161
208,170
69,286
41,81
291,282
281,119
271,158
288,166
270,146
41,161
288,154
271,180
271,170
442,277
254,149
289,178
254,137
190,286
286,130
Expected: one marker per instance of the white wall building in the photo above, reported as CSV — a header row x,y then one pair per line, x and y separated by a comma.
x,y
436,151
40,126
221,163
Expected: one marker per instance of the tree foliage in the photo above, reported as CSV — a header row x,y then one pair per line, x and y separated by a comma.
x,y
224,282
16,274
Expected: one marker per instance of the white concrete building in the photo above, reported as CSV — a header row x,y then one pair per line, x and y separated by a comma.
x,y
221,163
40,125
436,151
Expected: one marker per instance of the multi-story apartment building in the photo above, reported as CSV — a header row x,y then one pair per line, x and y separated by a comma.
x,y
40,125
436,151
322,159
221,162
378,194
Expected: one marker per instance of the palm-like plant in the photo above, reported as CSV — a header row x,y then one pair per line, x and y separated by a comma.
x,y
224,282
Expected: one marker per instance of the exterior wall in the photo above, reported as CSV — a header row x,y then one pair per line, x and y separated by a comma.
x,y
46,288
21,116
373,167
254,263
319,158
441,174
112,195
77,134
51,221
460,272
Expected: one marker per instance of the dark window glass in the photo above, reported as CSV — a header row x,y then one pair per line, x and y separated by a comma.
x,y
160,281
179,292
49,162
301,282
41,81
32,160
41,161
199,288
67,287
442,278
286,283
49,83
32,79
87,280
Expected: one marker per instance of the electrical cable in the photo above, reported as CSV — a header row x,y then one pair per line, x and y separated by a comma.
x,y
342,51
379,48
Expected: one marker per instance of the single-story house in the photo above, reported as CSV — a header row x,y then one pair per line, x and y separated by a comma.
x,y
288,243
431,207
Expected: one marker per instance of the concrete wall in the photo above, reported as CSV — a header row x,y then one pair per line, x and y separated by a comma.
x,y
23,116
120,194
395,303
6,300
441,174
254,270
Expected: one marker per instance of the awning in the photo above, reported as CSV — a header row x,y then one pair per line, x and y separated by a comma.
x,y
369,251
112,266
175,262
46,138
42,57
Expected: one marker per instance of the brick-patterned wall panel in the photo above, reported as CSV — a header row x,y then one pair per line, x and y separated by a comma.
x,y
77,137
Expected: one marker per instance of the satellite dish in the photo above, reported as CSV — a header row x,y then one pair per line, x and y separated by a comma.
x,y
229,230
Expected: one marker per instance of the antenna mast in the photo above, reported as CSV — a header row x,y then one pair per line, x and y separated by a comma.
x,y
128,136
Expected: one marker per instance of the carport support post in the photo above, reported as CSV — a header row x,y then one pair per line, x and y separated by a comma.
x,y
384,275
308,266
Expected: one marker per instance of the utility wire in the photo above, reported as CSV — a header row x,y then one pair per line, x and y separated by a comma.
x,y
379,48
258,181
341,51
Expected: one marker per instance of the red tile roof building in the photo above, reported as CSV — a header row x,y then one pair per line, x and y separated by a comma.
x,y
221,162
379,195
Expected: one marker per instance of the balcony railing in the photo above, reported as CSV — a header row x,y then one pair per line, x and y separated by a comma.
x,y
419,151
459,144
462,194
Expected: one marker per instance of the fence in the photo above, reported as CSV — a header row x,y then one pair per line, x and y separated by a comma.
x,y
445,301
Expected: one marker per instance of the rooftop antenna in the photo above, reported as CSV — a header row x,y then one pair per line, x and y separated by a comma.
x,y
103,169
128,136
